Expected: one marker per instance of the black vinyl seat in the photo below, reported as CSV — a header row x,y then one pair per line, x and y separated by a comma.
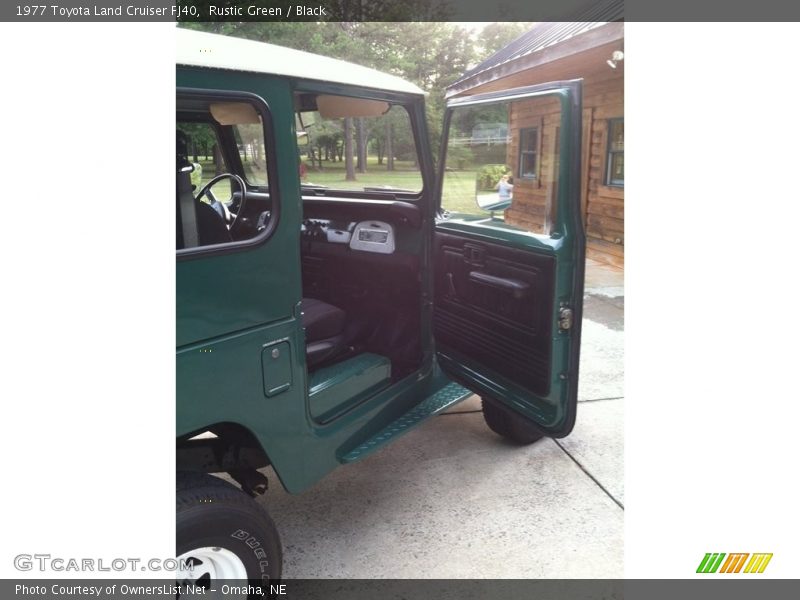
x,y
324,325
211,228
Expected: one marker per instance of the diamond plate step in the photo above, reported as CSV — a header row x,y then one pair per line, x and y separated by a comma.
x,y
445,397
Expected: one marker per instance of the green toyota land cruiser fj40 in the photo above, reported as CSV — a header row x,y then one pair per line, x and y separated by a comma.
x,y
335,287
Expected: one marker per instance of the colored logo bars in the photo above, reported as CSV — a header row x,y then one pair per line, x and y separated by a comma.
x,y
734,562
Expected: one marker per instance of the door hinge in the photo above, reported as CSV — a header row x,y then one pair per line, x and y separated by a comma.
x,y
564,318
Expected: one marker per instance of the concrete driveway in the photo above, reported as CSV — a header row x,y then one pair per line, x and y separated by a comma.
x,y
453,500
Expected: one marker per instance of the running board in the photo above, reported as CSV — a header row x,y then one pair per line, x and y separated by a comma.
x,y
444,398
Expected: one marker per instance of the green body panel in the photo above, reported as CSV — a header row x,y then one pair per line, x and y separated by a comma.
x,y
337,387
247,288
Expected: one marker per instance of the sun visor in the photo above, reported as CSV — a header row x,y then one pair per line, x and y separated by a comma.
x,y
234,113
338,107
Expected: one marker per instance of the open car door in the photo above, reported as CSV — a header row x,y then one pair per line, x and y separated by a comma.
x,y
509,250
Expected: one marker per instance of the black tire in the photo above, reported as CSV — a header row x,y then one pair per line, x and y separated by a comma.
x,y
212,513
504,422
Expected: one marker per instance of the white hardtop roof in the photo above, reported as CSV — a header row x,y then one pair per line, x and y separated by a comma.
x,y
199,49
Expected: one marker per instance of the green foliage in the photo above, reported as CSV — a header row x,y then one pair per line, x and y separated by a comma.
x,y
495,36
459,157
201,139
489,175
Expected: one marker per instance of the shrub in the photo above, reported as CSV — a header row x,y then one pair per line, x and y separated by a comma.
x,y
488,176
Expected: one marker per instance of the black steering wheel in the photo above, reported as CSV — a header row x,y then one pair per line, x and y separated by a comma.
x,y
231,219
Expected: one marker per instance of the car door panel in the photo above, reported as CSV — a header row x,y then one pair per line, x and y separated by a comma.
x,y
495,308
508,279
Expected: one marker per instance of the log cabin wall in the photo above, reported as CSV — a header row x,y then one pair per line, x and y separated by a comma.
x,y
602,205
534,197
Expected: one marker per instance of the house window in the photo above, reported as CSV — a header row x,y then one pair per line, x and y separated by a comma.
x,y
528,150
616,153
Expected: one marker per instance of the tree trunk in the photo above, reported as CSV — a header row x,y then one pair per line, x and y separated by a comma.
x,y
389,148
361,146
219,165
349,169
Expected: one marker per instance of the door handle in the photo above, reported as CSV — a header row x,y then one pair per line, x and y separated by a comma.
x,y
517,288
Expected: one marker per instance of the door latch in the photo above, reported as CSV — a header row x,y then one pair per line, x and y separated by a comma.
x,y
565,318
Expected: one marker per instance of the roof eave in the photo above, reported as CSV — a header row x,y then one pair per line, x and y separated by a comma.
x,y
586,41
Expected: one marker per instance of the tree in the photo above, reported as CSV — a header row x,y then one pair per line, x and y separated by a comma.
x,y
350,173
495,36
200,138
361,145
219,163
389,147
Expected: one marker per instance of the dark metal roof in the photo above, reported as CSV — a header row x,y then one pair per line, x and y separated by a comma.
x,y
543,35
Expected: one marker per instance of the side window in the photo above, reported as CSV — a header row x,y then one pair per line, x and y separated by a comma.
x,y
502,162
222,172
616,153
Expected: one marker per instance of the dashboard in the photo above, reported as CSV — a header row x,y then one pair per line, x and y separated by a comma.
x,y
377,237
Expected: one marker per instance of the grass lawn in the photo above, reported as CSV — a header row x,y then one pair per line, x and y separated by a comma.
x,y
458,193
405,175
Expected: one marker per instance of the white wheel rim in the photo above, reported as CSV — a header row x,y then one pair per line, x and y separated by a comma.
x,y
209,565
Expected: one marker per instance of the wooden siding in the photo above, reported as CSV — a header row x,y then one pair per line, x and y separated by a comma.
x,y
602,205
534,200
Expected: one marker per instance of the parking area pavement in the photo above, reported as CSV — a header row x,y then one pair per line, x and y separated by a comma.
x,y
451,499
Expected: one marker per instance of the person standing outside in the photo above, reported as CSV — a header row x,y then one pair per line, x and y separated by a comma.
x,y
504,188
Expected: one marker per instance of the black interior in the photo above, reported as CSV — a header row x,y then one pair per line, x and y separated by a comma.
x,y
493,303
211,227
379,294
325,326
